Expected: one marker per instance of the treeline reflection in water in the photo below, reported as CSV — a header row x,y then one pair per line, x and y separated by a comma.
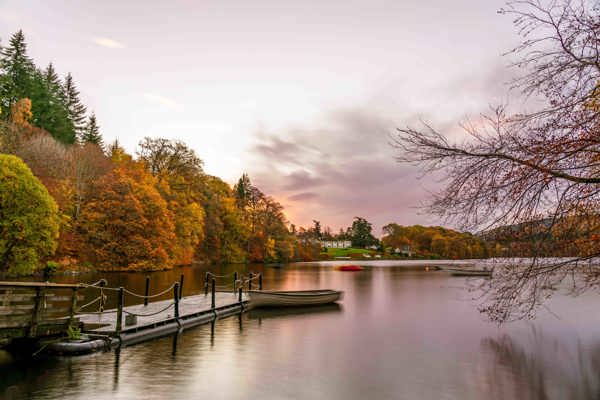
x,y
397,334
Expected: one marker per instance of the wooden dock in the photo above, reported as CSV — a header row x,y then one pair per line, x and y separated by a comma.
x,y
30,310
158,318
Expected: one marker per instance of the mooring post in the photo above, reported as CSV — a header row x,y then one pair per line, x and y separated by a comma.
x,y
206,284
176,297
212,302
147,290
260,281
37,310
250,281
120,301
103,283
73,307
240,295
234,281
181,286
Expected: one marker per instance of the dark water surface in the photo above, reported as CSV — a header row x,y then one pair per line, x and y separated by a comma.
x,y
397,334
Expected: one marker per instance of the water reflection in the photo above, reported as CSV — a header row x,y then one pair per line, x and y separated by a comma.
x,y
397,334
263,313
543,369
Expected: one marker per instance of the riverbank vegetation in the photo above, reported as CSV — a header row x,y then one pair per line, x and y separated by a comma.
x,y
436,242
112,210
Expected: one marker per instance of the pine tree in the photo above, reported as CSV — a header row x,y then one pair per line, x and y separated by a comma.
x,y
91,133
75,108
48,108
52,81
20,79
242,191
16,72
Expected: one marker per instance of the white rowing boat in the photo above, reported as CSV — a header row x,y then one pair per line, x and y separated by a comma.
x,y
271,298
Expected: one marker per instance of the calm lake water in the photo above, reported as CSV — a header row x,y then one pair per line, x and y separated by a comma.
x,y
399,333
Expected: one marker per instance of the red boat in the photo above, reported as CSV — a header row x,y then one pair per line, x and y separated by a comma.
x,y
350,268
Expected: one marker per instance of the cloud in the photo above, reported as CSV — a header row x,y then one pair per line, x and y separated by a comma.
x,y
341,164
162,100
302,179
106,42
303,196
341,167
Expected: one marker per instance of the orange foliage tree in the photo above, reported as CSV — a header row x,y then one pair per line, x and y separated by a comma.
x,y
126,222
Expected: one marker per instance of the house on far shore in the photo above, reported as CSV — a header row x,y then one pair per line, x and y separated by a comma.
x,y
336,244
404,250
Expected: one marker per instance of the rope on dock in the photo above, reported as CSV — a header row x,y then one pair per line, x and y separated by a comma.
x,y
220,276
141,296
149,314
95,284
89,304
150,296
229,286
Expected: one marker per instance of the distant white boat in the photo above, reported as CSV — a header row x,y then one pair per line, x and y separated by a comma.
x,y
468,271
266,298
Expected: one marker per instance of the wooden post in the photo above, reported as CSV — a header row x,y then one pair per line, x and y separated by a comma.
x,y
260,281
212,302
37,310
181,286
102,299
147,290
206,284
250,281
120,301
240,295
234,281
73,307
176,297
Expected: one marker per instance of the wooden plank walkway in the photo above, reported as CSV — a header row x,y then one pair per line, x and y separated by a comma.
x,y
196,308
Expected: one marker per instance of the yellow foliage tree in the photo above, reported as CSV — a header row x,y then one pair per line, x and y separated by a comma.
x,y
20,112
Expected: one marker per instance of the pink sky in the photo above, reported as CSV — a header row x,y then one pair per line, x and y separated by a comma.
x,y
301,95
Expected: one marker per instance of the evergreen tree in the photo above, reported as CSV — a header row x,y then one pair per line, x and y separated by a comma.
x,y
48,108
20,79
16,72
75,109
242,191
52,81
91,132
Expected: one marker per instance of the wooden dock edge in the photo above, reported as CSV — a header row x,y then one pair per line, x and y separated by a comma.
x,y
171,326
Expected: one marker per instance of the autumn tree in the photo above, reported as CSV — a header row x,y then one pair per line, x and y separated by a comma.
x,y
543,165
268,237
225,231
180,181
126,223
169,157
28,218
20,113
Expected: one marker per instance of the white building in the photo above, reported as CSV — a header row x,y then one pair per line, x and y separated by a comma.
x,y
336,244
405,250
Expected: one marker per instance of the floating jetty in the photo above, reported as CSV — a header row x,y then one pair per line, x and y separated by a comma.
x,y
159,318
91,327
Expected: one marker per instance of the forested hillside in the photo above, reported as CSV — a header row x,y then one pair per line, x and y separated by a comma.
x,y
116,211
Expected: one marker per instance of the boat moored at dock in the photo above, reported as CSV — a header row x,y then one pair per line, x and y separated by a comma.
x,y
293,298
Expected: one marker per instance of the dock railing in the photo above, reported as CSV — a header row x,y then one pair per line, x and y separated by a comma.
x,y
32,309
